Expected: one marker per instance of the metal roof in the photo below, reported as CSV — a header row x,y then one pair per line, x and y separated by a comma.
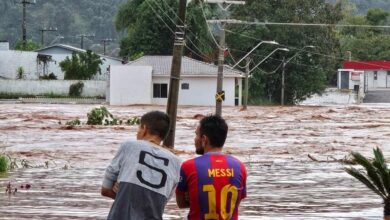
x,y
367,65
162,66
74,49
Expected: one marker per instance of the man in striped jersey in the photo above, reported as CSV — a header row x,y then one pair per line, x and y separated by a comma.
x,y
213,184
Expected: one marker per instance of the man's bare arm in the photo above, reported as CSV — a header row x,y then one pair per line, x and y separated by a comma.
x,y
108,193
182,201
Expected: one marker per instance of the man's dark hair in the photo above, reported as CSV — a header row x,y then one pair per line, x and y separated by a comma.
x,y
215,128
157,123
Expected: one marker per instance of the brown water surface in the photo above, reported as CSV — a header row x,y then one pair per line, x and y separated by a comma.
x,y
283,183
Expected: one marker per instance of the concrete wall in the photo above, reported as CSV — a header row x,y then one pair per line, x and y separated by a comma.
x,y
4,45
60,87
11,60
130,85
201,91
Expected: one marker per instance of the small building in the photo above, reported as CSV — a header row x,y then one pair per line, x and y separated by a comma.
x,y
59,52
374,74
146,81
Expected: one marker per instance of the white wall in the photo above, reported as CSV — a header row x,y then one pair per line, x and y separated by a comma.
x,y
60,87
380,82
11,60
130,85
201,91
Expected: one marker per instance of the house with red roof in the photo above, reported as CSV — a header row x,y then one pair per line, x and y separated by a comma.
x,y
367,74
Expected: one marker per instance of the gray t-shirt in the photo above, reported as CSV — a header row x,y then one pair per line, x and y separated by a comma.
x,y
147,176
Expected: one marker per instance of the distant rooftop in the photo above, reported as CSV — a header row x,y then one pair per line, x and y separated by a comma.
x,y
74,49
162,66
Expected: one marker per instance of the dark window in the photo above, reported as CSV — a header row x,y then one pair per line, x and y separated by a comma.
x,y
185,86
160,90
375,75
388,73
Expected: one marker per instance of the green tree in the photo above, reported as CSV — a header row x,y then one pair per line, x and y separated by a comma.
x,y
30,45
81,66
309,72
376,176
367,43
149,24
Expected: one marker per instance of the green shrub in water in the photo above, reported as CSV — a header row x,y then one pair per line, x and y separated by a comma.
x,y
3,164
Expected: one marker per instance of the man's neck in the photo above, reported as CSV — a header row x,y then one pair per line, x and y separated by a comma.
x,y
152,139
210,149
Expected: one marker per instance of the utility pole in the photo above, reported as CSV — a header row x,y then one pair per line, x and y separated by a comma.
x,y
175,73
219,97
42,33
105,41
82,39
24,23
246,83
283,74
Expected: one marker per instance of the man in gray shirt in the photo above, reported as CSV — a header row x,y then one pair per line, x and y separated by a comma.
x,y
146,173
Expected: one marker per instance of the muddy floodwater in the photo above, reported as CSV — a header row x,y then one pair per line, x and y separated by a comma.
x,y
292,155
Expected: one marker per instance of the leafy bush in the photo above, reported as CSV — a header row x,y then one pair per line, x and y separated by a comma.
x,y
76,89
3,164
74,122
98,115
20,73
51,76
133,121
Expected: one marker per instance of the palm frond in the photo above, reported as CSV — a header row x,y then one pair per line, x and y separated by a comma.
x,y
365,180
381,166
371,171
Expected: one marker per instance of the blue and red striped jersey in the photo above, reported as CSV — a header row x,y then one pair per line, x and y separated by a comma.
x,y
215,183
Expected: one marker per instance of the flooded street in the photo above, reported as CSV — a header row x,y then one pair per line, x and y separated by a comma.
x,y
292,156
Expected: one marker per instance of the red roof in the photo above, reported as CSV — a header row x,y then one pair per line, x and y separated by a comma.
x,y
367,65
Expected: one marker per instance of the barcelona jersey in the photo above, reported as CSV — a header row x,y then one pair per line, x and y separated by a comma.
x,y
215,183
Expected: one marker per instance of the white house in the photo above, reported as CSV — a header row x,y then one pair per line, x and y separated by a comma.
x,y
59,52
367,74
146,81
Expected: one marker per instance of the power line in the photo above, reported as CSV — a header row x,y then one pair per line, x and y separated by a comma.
x,y
189,31
154,10
167,26
234,21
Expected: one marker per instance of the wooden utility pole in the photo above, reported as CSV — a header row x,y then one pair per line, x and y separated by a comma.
x,y
82,39
42,33
220,95
246,83
175,73
221,61
24,23
105,41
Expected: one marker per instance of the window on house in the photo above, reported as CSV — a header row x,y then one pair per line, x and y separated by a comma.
x,y
160,90
185,86
375,75
388,73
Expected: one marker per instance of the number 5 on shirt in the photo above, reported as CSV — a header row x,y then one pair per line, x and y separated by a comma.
x,y
211,194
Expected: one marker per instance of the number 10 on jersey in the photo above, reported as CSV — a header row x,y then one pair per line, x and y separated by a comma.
x,y
212,199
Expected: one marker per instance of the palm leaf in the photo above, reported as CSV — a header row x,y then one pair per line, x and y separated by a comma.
x,y
359,176
382,169
371,171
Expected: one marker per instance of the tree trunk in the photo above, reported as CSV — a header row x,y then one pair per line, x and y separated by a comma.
x,y
387,209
